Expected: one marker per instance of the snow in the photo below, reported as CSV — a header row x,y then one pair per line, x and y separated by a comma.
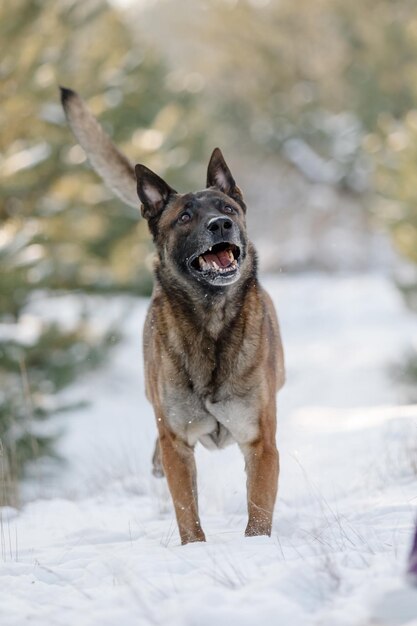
x,y
97,542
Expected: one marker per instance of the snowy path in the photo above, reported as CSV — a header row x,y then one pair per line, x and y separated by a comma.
x,y
103,548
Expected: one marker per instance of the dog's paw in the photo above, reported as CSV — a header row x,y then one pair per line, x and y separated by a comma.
x,y
158,472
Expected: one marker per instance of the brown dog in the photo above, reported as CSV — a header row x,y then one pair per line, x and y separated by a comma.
x,y
212,347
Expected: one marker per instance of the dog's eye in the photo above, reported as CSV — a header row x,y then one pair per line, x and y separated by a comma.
x,y
184,217
228,209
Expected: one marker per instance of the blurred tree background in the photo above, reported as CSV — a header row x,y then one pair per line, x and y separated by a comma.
x,y
325,89
329,87
61,231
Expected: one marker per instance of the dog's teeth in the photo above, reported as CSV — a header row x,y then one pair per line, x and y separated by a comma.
x,y
212,265
210,248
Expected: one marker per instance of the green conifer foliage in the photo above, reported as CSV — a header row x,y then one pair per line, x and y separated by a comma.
x,y
60,230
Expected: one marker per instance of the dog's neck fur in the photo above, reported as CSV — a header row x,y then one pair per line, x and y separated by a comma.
x,y
209,309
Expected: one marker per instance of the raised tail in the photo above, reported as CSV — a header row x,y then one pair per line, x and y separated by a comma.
x,y
114,168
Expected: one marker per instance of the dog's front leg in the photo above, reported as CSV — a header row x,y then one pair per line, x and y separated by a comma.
x,y
262,469
180,471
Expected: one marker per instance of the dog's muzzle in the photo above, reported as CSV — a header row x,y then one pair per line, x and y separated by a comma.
x,y
218,264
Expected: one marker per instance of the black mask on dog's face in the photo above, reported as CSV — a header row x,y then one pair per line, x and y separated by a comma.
x,y
204,233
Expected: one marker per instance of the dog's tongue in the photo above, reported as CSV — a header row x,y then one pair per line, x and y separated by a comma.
x,y
222,258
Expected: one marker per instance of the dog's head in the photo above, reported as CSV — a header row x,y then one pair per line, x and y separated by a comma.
x,y
202,234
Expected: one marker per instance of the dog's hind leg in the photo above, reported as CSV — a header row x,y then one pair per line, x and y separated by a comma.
x,y
180,471
157,467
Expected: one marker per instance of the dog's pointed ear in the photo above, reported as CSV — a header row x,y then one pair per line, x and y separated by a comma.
x,y
154,193
220,177
218,173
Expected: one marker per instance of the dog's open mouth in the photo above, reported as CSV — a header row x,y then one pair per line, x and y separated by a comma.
x,y
221,258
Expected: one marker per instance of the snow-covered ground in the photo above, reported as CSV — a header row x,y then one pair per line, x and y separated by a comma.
x,y
98,545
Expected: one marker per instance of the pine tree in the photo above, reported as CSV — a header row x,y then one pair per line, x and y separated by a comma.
x,y
60,230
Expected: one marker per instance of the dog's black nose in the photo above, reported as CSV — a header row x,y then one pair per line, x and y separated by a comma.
x,y
220,225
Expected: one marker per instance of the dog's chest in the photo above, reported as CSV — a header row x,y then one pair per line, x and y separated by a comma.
x,y
237,416
213,402
214,424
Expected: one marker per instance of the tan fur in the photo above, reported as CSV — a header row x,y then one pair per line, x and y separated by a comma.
x,y
213,357
252,370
